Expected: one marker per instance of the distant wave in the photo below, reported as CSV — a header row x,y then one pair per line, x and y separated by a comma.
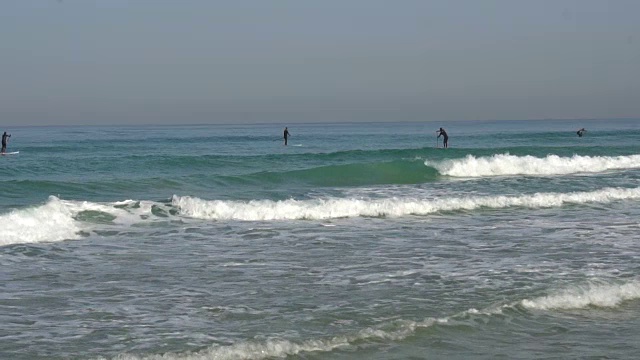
x,y
602,295
346,174
175,173
261,210
352,174
506,164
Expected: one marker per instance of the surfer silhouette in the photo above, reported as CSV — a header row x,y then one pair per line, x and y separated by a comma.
x,y
286,135
445,137
5,137
581,132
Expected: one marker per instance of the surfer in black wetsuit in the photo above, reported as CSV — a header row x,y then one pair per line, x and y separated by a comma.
x,y
445,137
5,136
286,135
581,132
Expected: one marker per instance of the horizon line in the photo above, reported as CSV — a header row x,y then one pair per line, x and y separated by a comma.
x,y
317,122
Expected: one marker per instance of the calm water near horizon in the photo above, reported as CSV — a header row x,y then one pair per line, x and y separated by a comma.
x,y
356,241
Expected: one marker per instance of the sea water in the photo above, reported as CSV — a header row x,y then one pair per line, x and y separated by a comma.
x,y
355,241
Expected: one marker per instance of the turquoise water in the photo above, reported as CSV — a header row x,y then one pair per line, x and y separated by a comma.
x,y
356,241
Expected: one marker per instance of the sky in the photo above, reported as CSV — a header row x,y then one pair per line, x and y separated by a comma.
x,y
102,62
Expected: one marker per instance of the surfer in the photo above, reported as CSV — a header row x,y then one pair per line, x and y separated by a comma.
x,y
5,136
581,132
445,137
286,135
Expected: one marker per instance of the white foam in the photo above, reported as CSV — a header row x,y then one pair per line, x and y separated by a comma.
x,y
579,297
505,164
259,210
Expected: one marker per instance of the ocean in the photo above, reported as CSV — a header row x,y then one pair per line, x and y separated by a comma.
x,y
355,241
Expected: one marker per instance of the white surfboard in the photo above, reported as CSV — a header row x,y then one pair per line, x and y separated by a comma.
x,y
11,153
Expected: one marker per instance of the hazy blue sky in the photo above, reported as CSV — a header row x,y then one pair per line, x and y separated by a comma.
x,y
190,61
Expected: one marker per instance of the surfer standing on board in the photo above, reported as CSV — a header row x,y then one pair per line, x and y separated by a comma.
x,y
5,136
286,135
445,137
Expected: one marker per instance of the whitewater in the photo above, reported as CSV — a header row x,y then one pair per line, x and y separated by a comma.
x,y
362,241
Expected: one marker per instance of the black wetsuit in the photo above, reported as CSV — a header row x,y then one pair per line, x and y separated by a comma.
x,y
445,137
580,132
286,135
4,142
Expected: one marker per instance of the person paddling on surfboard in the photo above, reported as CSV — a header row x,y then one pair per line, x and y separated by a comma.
x,y
5,136
445,137
581,132
286,135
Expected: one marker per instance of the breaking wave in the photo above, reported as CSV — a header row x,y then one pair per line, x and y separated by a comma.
x,y
260,210
58,219
506,164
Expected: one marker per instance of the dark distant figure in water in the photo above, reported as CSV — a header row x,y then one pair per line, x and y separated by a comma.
x,y
286,135
5,136
445,137
581,132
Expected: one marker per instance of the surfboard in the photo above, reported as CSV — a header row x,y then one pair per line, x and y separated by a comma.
x,y
11,153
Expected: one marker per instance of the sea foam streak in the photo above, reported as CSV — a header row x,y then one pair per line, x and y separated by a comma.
x,y
257,210
505,164
280,348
